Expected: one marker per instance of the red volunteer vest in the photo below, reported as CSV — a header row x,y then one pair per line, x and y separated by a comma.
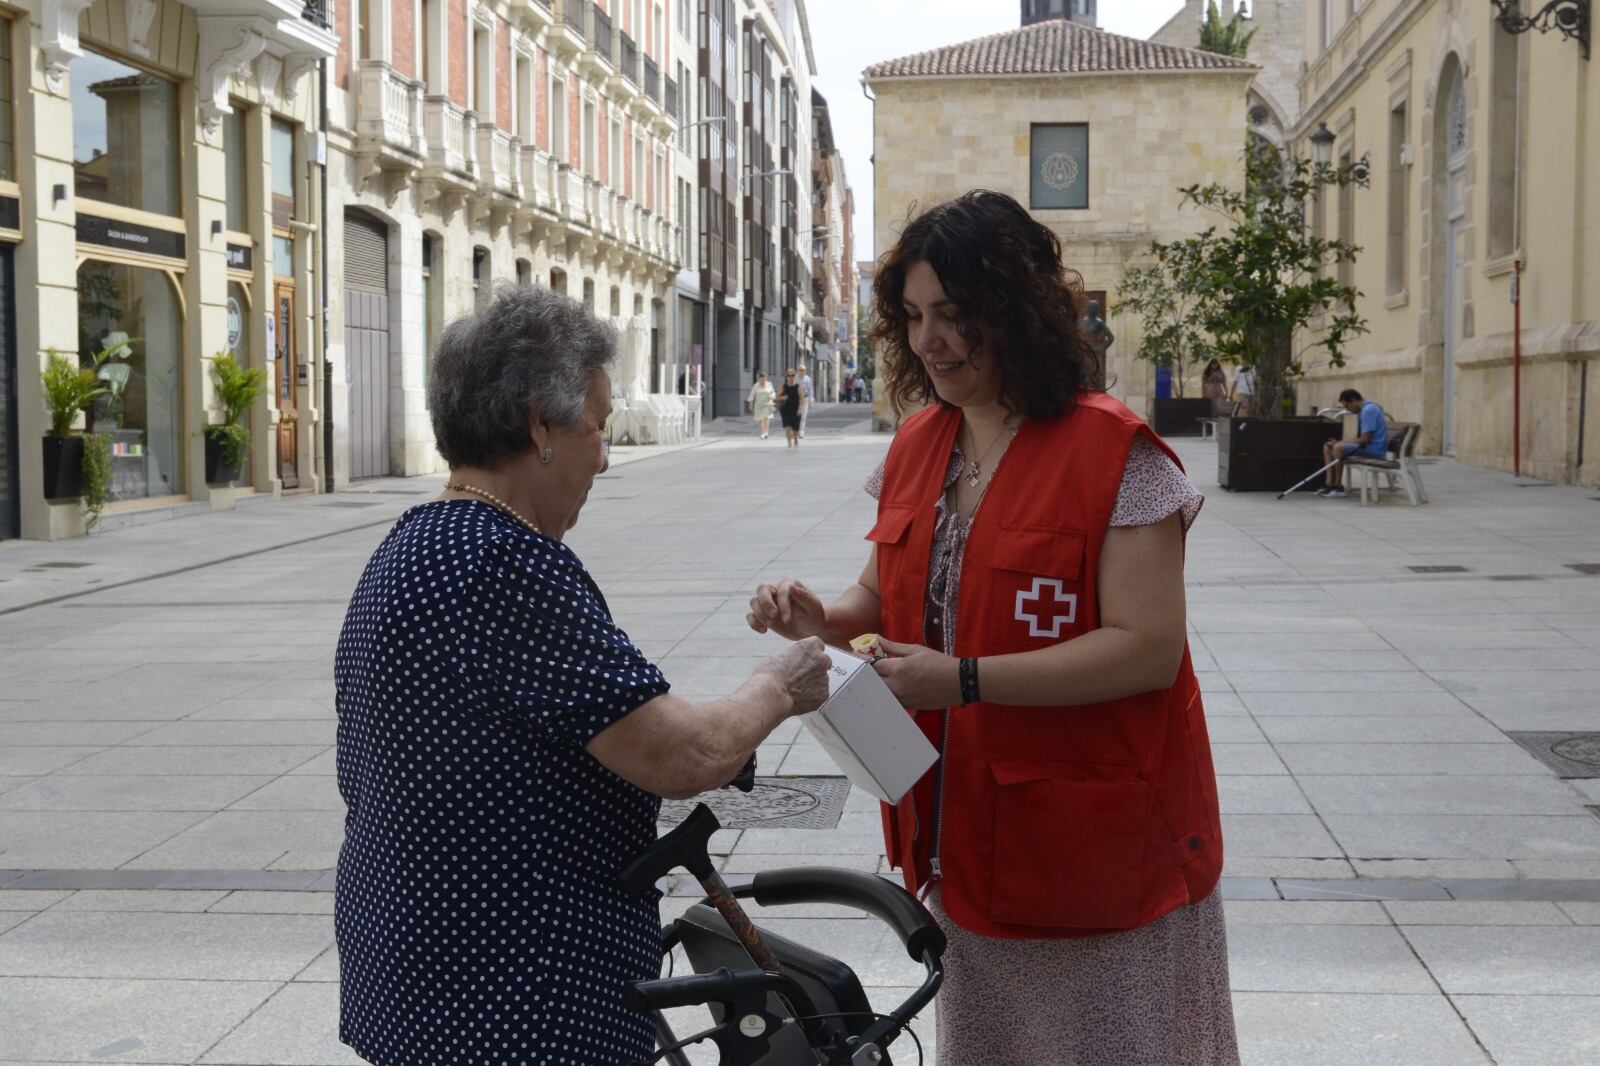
x,y
1056,821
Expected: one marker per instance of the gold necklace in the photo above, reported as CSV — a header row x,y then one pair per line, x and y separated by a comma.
x,y
491,498
975,467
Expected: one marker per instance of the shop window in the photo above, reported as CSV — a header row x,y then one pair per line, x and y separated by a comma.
x,y
8,135
235,162
131,313
282,255
125,145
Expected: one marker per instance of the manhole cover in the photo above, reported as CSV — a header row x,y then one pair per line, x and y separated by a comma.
x,y
775,803
1585,568
1585,749
1437,569
1570,755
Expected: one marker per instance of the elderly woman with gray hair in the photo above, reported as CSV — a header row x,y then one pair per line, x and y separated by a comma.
x,y
503,746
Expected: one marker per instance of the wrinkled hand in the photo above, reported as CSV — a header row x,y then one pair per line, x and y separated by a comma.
x,y
788,609
919,677
802,670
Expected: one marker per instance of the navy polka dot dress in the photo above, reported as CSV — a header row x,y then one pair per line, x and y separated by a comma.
x,y
478,914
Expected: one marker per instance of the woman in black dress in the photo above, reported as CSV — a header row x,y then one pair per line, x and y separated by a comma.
x,y
503,746
789,408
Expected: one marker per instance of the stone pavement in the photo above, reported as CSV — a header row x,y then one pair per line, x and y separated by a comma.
x,y
1405,882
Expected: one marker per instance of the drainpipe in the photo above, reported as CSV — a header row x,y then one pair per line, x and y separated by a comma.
x,y
327,375
1516,367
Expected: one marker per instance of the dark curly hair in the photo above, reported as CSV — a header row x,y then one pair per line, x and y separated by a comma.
x,y
1003,270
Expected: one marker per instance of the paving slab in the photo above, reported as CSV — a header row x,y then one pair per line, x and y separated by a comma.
x,y
296,1027
1322,1029
1516,961
1450,836
1277,957
161,946
100,1020
1535,1030
1438,794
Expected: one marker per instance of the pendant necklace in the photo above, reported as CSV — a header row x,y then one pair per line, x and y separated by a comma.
x,y
493,500
975,467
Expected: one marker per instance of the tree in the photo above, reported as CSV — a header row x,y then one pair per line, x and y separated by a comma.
x,y
1229,40
864,358
1262,277
1174,333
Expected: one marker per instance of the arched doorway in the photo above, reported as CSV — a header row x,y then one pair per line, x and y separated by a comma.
x,y
1453,143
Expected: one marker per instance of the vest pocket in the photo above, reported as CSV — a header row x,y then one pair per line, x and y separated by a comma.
x,y
1036,587
1068,844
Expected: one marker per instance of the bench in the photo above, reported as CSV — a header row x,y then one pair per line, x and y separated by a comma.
x,y
1399,466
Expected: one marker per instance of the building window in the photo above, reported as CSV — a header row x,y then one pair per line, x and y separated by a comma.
x,y
1347,218
236,161
125,136
616,302
482,280
523,102
524,272
589,134
614,150
8,134
433,45
1395,251
133,312
431,307
1504,145
588,295
1059,166
558,280
558,118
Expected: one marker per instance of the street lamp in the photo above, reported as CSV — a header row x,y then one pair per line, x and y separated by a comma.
x,y
762,174
1322,145
1569,17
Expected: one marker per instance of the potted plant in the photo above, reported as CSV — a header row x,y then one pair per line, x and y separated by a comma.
x,y
68,389
1259,280
1173,335
228,443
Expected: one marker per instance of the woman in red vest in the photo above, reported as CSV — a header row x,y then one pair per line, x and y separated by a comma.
x,y
1026,575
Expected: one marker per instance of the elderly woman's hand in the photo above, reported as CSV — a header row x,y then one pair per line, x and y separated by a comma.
x,y
788,609
802,670
919,677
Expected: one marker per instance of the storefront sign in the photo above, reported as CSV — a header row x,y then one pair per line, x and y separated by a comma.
x,y
241,257
129,237
235,324
10,212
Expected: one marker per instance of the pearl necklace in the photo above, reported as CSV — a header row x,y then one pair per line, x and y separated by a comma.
x,y
491,498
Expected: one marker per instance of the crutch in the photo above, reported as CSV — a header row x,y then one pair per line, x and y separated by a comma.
x,y
1313,477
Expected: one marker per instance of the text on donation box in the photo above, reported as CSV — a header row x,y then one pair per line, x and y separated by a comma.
x,y
867,733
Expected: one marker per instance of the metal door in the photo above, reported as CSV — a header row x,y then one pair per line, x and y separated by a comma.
x,y
366,343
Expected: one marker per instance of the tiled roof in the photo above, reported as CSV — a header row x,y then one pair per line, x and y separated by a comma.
x,y
1054,47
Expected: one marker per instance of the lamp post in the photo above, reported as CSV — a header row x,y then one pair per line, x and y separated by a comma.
x,y
1322,145
1570,18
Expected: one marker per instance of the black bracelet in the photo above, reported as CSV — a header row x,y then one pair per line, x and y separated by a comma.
x,y
969,681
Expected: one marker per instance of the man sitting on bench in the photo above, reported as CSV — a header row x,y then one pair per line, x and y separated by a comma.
x,y
1372,441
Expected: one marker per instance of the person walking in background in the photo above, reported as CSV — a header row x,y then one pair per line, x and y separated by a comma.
x,y
789,406
1214,386
860,387
760,403
503,747
1244,390
804,381
1372,441
1026,577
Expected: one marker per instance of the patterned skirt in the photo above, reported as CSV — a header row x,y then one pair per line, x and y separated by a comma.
x,y
1153,996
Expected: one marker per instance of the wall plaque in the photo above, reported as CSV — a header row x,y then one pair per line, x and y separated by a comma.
x,y
130,237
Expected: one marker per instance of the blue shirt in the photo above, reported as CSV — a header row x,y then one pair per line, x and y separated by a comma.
x,y
1371,421
478,914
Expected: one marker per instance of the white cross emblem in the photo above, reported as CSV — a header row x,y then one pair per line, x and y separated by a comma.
x,y
1063,611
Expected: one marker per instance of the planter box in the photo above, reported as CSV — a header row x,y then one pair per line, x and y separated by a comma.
x,y
1255,455
63,468
1180,417
217,471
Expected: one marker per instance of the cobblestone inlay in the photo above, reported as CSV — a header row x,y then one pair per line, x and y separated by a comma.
x,y
1570,755
774,803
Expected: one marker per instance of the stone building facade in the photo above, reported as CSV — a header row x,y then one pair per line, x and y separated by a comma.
x,y
1134,121
1272,104
1484,154
159,193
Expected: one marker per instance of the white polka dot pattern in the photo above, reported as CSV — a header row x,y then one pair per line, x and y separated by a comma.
x,y
478,914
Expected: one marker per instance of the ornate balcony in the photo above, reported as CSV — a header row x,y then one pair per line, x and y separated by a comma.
x,y
572,196
498,173
451,134
671,102
538,15
628,58
541,172
388,121
652,80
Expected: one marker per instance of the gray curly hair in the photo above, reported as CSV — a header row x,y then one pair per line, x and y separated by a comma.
x,y
529,352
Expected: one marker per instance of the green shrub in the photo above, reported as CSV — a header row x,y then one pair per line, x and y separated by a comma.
x,y
96,475
238,387
234,440
68,389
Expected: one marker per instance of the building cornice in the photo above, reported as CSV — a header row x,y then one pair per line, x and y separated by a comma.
x,y
1197,72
